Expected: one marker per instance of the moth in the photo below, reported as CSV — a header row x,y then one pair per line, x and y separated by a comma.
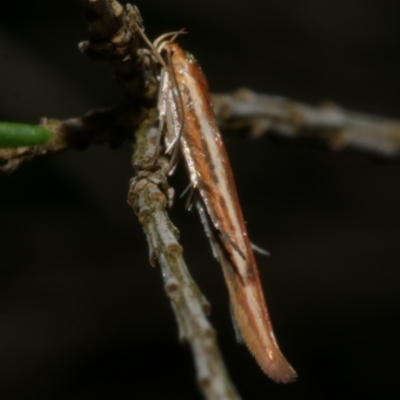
x,y
188,123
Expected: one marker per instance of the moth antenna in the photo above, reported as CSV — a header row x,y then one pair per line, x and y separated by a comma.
x,y
171,146
163,37
153,49
207,227
187,188
190,200
175,153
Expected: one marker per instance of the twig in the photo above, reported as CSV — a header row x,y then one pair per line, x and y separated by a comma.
x,y
110,125
149,196
337,127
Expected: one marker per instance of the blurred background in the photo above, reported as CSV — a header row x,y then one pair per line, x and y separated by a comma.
x,y
82,313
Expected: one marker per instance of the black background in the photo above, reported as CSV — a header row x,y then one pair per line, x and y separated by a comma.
x,y
84,316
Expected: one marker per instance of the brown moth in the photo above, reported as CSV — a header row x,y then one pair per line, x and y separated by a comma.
x,y
187,122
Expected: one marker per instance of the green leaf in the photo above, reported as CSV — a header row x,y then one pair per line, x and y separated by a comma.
x,y
22,135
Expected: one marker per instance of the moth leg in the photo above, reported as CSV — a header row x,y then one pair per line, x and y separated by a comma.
x,y
190,199
260,250
225,237
174,157
218,240
207,227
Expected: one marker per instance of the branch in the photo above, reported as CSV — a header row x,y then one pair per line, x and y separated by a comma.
x,y
337,127
110,125
149,195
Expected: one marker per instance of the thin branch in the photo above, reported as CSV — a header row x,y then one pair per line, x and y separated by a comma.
x,y
111,125
149,196
337,127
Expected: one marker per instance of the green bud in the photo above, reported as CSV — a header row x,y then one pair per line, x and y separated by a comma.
x,y
22,135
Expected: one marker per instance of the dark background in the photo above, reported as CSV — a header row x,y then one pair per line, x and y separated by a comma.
x,y
84,316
